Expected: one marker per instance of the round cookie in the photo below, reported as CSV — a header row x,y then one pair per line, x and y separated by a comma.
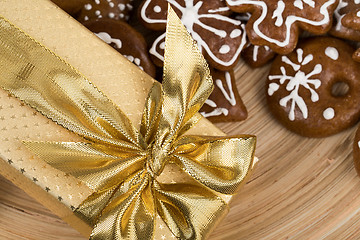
x,y
72,7
126,40
219,37
257,56
224,103
338,29
277,23
112,9
301,86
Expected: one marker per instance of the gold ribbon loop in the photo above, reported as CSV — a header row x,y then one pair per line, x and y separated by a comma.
x,y
118,162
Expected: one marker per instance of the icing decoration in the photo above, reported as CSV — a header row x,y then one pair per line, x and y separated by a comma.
x,y
289,20
198,24
332,53
358,14
278,13
256,51
339,16
230,97
299,3
329,113
108,39
295,82
98,14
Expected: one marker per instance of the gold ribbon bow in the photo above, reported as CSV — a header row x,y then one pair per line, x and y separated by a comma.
x,y
119,163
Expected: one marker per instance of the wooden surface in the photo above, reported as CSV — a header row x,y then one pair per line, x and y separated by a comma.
x,y
302,188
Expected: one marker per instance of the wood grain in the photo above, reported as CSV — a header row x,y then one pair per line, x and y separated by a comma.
x,y
302,188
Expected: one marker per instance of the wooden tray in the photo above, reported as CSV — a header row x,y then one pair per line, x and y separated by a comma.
x,y
302,188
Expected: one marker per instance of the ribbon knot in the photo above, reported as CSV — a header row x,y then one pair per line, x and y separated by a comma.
x,y
113,160
157,158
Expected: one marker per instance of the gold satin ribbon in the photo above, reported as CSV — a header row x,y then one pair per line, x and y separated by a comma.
x,y
120,163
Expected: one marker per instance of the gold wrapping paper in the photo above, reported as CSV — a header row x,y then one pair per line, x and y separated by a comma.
x,y
16,162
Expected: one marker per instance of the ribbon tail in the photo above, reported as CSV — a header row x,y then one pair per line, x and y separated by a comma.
x,y
190,211
151,115
187,82
130,214
88,163
220,163
48,84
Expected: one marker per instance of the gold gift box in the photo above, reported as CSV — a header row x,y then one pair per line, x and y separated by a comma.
x,y
113,74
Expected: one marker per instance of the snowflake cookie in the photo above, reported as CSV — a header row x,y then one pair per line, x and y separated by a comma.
x,y
277,23
126,40
224,103
219,37
302,88
344,8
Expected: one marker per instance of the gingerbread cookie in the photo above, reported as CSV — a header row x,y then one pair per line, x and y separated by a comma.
x,y
112,9
257,56
125,40
352,21
219,37
338,30
277,23
224,103
301,88
72,7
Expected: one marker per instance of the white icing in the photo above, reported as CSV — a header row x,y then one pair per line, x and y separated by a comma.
x,y
255,52
108,39
356,1
224,49
97,13
359,144
121,6
339,16
230,97
111,4
294,83
137,61
134,60
332,53
121,15
111,15
358,14
97,1
299,3
278,13
235,33
222,9
162,45
190,16
131,58
88,6
329,113
157,9
153,50
129,6
273,87
86,18
288,22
